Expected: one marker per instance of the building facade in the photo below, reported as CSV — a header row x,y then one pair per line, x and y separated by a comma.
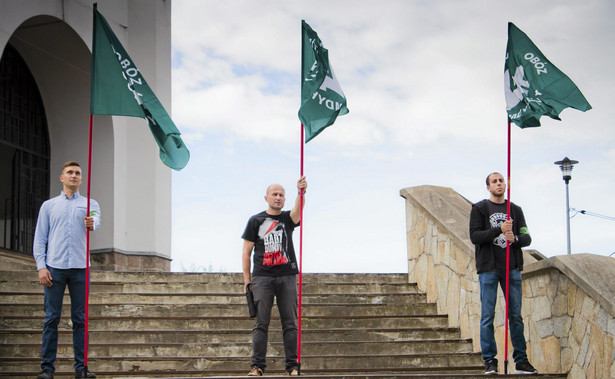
x,y
44,121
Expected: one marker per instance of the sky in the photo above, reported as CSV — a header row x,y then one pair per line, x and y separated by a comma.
x,y
425,88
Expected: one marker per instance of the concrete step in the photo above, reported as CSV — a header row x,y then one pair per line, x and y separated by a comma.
x,y
31,336
213,298
196,325
232,323
427,374
235,348
471,374
165,278
215,287
201,310
169,277
239,365
431,374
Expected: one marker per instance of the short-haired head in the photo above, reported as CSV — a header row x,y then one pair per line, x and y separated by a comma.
x,y
69,164
489,176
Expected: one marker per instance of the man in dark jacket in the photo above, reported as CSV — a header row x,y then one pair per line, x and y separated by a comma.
x,y
490,232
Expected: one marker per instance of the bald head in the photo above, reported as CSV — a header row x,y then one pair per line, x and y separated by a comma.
x,y
275,197
274,187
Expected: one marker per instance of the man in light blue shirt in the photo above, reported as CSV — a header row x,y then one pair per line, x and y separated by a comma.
x,y
60,254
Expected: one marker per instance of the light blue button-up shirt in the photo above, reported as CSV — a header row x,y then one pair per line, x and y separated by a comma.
x,y
60,236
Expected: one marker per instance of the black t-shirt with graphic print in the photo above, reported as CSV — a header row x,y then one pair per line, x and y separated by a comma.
x,y
497,216
274,254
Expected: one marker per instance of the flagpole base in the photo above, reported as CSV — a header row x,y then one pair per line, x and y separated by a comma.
x,y
506,367
299,368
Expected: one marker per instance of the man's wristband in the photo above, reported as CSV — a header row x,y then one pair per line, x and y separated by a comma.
x,y
299,192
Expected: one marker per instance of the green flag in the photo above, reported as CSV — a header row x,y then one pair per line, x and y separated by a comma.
x,y
322,98
533,86
118,88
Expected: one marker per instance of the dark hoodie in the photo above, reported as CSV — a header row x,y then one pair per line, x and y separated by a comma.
x,y
482,235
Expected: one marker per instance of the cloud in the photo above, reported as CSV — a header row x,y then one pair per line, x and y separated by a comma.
x,y
424,83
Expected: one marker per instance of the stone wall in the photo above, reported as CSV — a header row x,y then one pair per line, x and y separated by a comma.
x,y
441,256
568,305
568,312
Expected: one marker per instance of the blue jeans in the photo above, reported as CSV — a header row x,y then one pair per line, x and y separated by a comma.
x,y
75,280
488,295
284,289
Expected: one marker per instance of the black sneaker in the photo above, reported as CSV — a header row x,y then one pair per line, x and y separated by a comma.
x,y
525,368
45,374
491,367
84,373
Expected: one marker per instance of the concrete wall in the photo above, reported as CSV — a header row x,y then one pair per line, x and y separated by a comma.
x,y
128,180
568,305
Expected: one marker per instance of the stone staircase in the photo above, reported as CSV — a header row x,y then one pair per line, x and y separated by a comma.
x,y
176,325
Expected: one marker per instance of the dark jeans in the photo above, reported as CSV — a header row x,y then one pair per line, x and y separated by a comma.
x,y
488,295
75,280
284,289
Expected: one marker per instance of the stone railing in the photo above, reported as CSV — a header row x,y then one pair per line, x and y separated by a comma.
x,y
568,304
569,309
441,256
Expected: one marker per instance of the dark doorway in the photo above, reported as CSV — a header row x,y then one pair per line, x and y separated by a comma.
x,y
24,153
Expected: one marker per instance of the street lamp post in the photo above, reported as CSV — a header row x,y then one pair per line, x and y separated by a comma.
x,y
566,166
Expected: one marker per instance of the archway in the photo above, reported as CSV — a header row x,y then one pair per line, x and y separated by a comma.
x,y
24,153
59,61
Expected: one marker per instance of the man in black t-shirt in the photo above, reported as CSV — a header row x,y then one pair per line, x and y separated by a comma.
x,y
269,235
490,232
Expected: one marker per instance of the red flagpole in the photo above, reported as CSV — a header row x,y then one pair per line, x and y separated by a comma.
x,y
87,248
507,261
300,228
300,258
